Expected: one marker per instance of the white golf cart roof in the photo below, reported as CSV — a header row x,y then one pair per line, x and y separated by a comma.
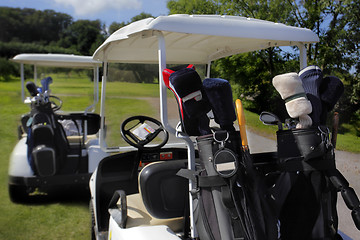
x,y
197,38
59,60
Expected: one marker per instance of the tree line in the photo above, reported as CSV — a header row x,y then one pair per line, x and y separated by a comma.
x,y
336,23
34,31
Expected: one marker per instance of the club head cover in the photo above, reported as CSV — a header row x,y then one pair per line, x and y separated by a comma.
x,y
186,85
32,88
311,78
304,121
45,83
331,89
220,97
290,88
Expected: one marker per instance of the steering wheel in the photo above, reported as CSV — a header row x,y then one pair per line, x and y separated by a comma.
x,y
140,142
55,105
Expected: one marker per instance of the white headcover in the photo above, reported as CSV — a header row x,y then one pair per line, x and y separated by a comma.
x,y
290,87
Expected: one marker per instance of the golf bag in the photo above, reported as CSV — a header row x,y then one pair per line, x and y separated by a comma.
x,y
226,202
306,189
231,200
46,139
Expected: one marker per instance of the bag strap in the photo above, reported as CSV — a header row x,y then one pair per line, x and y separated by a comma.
x,y
201,181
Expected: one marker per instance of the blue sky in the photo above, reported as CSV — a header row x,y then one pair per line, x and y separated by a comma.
x,y
107,11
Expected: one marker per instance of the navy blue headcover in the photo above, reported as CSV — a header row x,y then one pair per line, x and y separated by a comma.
x,y
220,97
193,103
188,86
311,77
331,90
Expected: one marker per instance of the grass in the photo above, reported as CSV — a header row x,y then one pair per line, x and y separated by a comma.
x,y
71,220
255,125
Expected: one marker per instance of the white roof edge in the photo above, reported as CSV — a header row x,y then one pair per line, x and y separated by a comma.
x,y
219,26
57,60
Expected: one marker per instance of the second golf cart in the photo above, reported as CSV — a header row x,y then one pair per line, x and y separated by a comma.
x,y
57,151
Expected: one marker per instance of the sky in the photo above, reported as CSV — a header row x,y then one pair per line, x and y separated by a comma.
x,y
107,11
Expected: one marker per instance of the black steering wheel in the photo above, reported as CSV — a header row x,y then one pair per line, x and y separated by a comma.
x,y
57,104
140,141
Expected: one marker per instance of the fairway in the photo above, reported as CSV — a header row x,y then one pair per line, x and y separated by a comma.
x,y
66,219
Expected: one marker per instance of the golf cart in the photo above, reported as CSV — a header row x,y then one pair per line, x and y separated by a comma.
x,y
56,152
167,199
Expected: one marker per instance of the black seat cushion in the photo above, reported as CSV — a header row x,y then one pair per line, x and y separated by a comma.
x,y
164,193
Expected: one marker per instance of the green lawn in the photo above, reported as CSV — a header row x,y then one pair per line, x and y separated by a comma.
x,y
71,220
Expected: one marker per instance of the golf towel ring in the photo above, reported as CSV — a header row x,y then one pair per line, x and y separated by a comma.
x,y
225,160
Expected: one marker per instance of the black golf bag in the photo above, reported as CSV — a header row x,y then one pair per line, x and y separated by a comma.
x,y
306,189
232,201
46,139
227,187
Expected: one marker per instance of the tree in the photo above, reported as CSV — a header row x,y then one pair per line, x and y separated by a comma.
x,y
7,69
115,25
84,36
337,24
195,7
30,25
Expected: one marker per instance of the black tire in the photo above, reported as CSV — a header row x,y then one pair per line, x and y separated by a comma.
x,y
92,211
18,194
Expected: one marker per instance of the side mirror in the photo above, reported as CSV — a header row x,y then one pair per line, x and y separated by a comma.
x,y
270,119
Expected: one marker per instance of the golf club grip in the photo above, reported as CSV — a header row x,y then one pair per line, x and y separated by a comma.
x,y
241,121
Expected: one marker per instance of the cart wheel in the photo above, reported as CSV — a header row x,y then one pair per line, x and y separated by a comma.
x,y
92,211
18,194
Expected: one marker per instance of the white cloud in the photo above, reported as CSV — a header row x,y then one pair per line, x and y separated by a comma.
x,y
90,7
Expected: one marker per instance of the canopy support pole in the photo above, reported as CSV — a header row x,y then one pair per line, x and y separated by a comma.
x,y
102,108
303,59
22,82
35,74
168,127
208,69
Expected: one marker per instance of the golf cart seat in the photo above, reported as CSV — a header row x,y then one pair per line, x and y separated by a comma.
x,y
75,123
162,197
